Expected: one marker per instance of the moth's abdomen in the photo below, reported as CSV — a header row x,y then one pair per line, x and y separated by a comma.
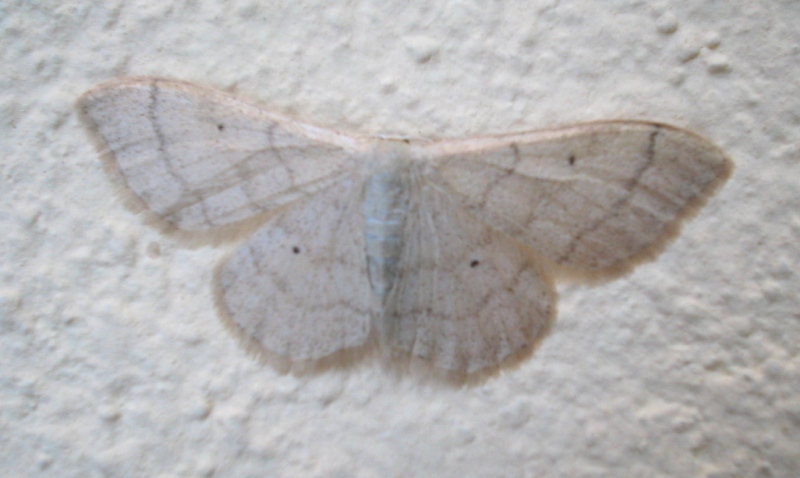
x,y
385,211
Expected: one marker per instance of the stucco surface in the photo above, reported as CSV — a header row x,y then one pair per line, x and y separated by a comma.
x,y
114,362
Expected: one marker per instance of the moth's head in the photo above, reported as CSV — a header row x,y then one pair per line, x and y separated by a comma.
x,y
396,150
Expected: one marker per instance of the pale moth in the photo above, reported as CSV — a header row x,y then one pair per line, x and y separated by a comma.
x,y
439,253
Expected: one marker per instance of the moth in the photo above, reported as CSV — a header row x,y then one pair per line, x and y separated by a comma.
x,y
439,252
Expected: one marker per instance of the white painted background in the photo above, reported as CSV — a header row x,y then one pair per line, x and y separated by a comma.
x,y
114,363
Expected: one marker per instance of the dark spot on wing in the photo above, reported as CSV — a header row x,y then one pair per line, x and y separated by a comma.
x,y
474,263
296,250
571,159
220,127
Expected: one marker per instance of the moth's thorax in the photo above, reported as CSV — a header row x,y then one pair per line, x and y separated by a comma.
x,y
386,198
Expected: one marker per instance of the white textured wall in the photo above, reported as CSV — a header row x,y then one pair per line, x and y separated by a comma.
x,y
114,363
